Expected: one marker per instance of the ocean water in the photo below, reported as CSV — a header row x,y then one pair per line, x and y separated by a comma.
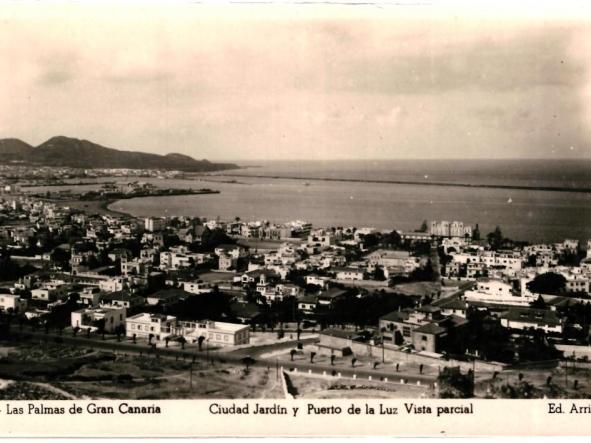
x,y
529,215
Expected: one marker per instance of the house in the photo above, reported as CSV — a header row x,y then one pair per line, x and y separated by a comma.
x,y
328,297
90,296
401,326
347,273
113,284
145,325
308,303
197,287
121,299
92,317
227,262
526,318
233,251
167,296
317,280
435,336
51,291
245,312
12,303
215,333
499,292
453,307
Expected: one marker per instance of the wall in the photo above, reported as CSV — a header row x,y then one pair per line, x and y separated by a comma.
x,y
328,343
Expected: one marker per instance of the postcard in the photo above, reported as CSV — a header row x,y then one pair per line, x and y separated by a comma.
x,y
295,219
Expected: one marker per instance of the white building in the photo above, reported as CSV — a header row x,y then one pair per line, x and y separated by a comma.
x,y
348,274
215,333
499,292
89,318
152,224
144,324
12,302
196,287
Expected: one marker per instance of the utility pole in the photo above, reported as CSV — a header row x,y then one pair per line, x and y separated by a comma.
x,y
191,377
277,369
383,351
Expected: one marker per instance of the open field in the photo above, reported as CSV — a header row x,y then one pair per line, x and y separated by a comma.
x,y
47,371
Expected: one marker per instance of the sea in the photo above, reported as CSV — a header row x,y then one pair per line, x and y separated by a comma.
x,y
281,191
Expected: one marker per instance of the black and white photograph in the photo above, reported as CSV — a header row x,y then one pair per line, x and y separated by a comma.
x,y
296,202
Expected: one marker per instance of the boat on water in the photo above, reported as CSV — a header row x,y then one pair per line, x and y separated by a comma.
x,y
510,200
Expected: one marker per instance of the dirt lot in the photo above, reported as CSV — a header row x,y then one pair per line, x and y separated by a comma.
x,y
62,372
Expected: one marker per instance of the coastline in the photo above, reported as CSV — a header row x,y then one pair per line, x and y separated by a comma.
x,y
414,182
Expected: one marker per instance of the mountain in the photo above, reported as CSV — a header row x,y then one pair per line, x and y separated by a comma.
x,y
15,149
72,152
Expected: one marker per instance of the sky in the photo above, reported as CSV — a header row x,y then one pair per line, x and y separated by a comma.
x,y
299,82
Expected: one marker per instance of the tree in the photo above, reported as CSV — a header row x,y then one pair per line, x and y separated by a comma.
x,y
353,361
424,227
332,359
453,384
119,330
495,238
150,337
166,340
378,273
248,361
182,340
134,338
476,233
292,353
539,303
547,283
200,341
75,330
312,355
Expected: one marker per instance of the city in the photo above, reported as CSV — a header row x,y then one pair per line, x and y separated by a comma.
x,y
95,303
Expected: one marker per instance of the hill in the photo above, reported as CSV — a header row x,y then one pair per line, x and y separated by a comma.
x,y
63,151
13,149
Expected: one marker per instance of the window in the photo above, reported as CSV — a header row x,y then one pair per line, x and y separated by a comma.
x,y
424,338
225,338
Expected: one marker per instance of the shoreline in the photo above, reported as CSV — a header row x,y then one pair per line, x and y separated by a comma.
x,y
413,182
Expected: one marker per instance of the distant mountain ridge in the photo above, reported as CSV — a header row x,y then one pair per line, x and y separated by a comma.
x,y
63,151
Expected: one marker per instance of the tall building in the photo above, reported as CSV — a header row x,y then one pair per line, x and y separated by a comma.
x,y
152,224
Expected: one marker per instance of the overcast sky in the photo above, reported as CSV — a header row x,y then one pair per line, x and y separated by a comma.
x,y
287,85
